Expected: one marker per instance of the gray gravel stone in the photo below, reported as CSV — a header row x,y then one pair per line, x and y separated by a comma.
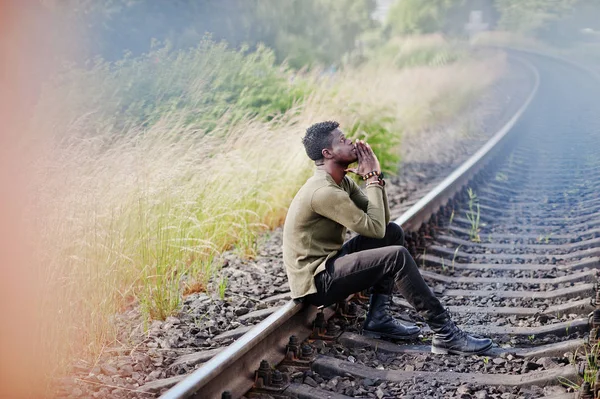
x,y
481,394
311,382
463,389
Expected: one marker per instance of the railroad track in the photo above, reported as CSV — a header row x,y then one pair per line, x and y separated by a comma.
x,y
509,242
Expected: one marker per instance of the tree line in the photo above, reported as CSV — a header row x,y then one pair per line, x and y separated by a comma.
x,y
558,21
303,32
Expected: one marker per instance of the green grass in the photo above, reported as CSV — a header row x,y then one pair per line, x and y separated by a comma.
x,y
376,130
222,287
454,257
473,215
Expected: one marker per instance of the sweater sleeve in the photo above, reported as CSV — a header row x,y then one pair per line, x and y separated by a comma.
x,y
358,196
362,201
386,207
336,204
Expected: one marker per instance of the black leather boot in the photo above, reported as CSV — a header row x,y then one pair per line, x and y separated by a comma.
x,y
449,339
380,324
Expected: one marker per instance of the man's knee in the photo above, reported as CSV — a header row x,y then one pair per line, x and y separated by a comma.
x,y
395,233
402,261
396,258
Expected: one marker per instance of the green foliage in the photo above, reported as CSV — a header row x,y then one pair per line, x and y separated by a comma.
x,y
206,84
315,31
302,31
590,370
375,129
417,16
540,18
160,294
528,15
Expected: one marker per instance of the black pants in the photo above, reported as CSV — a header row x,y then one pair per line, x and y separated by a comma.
x,y
379,263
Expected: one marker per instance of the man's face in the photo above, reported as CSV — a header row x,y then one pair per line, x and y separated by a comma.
x,y
342,150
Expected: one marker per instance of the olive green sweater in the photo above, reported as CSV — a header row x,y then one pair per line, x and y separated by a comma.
x,y
316,223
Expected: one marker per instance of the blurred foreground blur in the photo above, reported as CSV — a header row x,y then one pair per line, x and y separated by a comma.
x,y
26,55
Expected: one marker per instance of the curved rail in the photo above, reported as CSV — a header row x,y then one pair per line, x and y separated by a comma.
x,y
420,212
232,368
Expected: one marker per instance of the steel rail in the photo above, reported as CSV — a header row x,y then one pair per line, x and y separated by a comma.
x,y
231,369
420,212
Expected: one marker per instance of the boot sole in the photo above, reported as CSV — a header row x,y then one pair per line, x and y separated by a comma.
x,y
373,334
446,351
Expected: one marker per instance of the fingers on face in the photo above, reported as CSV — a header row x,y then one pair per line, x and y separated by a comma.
x,y
367,150
364,145
364,151
358,146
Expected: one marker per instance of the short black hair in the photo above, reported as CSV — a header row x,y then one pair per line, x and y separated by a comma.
x,y
318,136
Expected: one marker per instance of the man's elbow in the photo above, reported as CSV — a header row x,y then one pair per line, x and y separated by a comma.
x,y
379,231
373,229
372,233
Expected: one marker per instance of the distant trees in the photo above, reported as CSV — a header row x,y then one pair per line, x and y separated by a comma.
x,y
553,20
302,31
529,16
309,31
418,16
558,21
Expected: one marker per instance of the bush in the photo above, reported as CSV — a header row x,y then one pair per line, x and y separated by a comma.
x,y
305,32
208,84
422,17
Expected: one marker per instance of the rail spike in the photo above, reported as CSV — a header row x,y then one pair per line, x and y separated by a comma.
x,y
262,376
269,382
297,355
585,392
349,311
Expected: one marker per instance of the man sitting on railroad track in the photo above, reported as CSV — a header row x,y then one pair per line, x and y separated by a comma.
x,y
323,270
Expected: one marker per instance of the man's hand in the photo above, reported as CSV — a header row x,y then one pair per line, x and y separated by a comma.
x,y
367,160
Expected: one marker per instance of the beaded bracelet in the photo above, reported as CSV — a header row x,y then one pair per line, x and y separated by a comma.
x,y
370,174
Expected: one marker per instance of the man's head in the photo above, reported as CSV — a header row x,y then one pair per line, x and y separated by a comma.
x,y
324,140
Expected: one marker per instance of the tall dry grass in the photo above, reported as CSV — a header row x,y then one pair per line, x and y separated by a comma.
x,y
139,216
422,50
418,97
